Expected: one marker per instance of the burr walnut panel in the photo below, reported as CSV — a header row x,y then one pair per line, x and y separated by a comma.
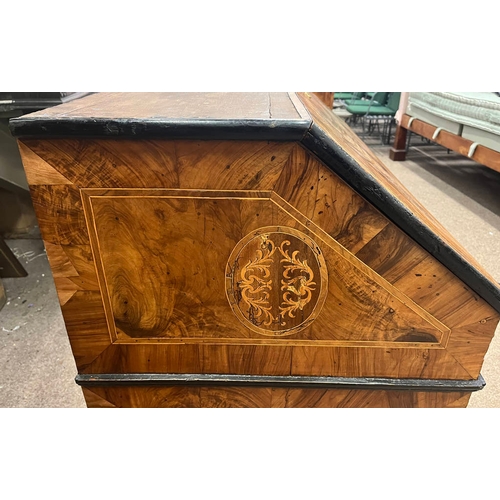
x,y
191,265
154,282
267,397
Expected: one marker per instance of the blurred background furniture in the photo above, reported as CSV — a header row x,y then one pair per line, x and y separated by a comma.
x,y
465,122
375,111
345,97
17,217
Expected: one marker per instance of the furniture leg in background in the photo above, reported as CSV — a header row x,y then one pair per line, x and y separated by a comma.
x,y
10,267
398,150
2,295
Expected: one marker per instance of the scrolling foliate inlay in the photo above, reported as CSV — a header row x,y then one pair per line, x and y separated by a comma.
x,y
276,281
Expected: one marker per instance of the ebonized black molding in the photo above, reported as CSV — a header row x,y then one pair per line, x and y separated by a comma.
x,y
118,379
192,129
334,157
303,130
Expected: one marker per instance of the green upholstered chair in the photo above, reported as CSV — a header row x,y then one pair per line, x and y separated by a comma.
x,y
375,98
375,114
375,108
347,96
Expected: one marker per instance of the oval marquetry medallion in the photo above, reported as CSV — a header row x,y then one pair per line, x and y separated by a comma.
x,y
276,281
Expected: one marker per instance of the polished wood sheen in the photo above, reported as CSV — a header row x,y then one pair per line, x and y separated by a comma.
x,y
235,397
243,257
326,98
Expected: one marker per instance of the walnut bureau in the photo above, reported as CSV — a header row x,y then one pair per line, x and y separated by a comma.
x,y
247,250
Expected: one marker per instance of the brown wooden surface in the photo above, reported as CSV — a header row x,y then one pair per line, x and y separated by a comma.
x,y
244,257
143,238
326,98
177,105
95,401
3,297
398,150
139,280
237,397
482,154
340,132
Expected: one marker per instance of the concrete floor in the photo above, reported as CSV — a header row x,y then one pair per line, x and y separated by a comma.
x,y
36,364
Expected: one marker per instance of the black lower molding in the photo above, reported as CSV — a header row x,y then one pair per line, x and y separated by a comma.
x,y
117,379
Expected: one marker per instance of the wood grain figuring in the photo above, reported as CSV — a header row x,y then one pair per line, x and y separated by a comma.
x,y
37,170
323,198
165,164
241,359
65,289
95,401
145,279
148,358
391,253
60,214
426,283
381,362
86,325
326,98
280,361
369,277
233,165
245,257
469,342
73,269
406,265
350,228
236,397
81,258
60,264
146,224
141,279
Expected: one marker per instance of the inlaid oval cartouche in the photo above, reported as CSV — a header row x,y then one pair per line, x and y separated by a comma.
x,y
276,280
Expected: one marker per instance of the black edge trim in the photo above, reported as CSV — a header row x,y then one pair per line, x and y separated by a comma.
x,y
114,379
334,157
255,130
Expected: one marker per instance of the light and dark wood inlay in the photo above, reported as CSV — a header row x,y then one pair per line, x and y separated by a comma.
x,y
276,280
244,257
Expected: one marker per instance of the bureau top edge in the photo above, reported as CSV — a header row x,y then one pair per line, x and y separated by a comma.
x,y
172,115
